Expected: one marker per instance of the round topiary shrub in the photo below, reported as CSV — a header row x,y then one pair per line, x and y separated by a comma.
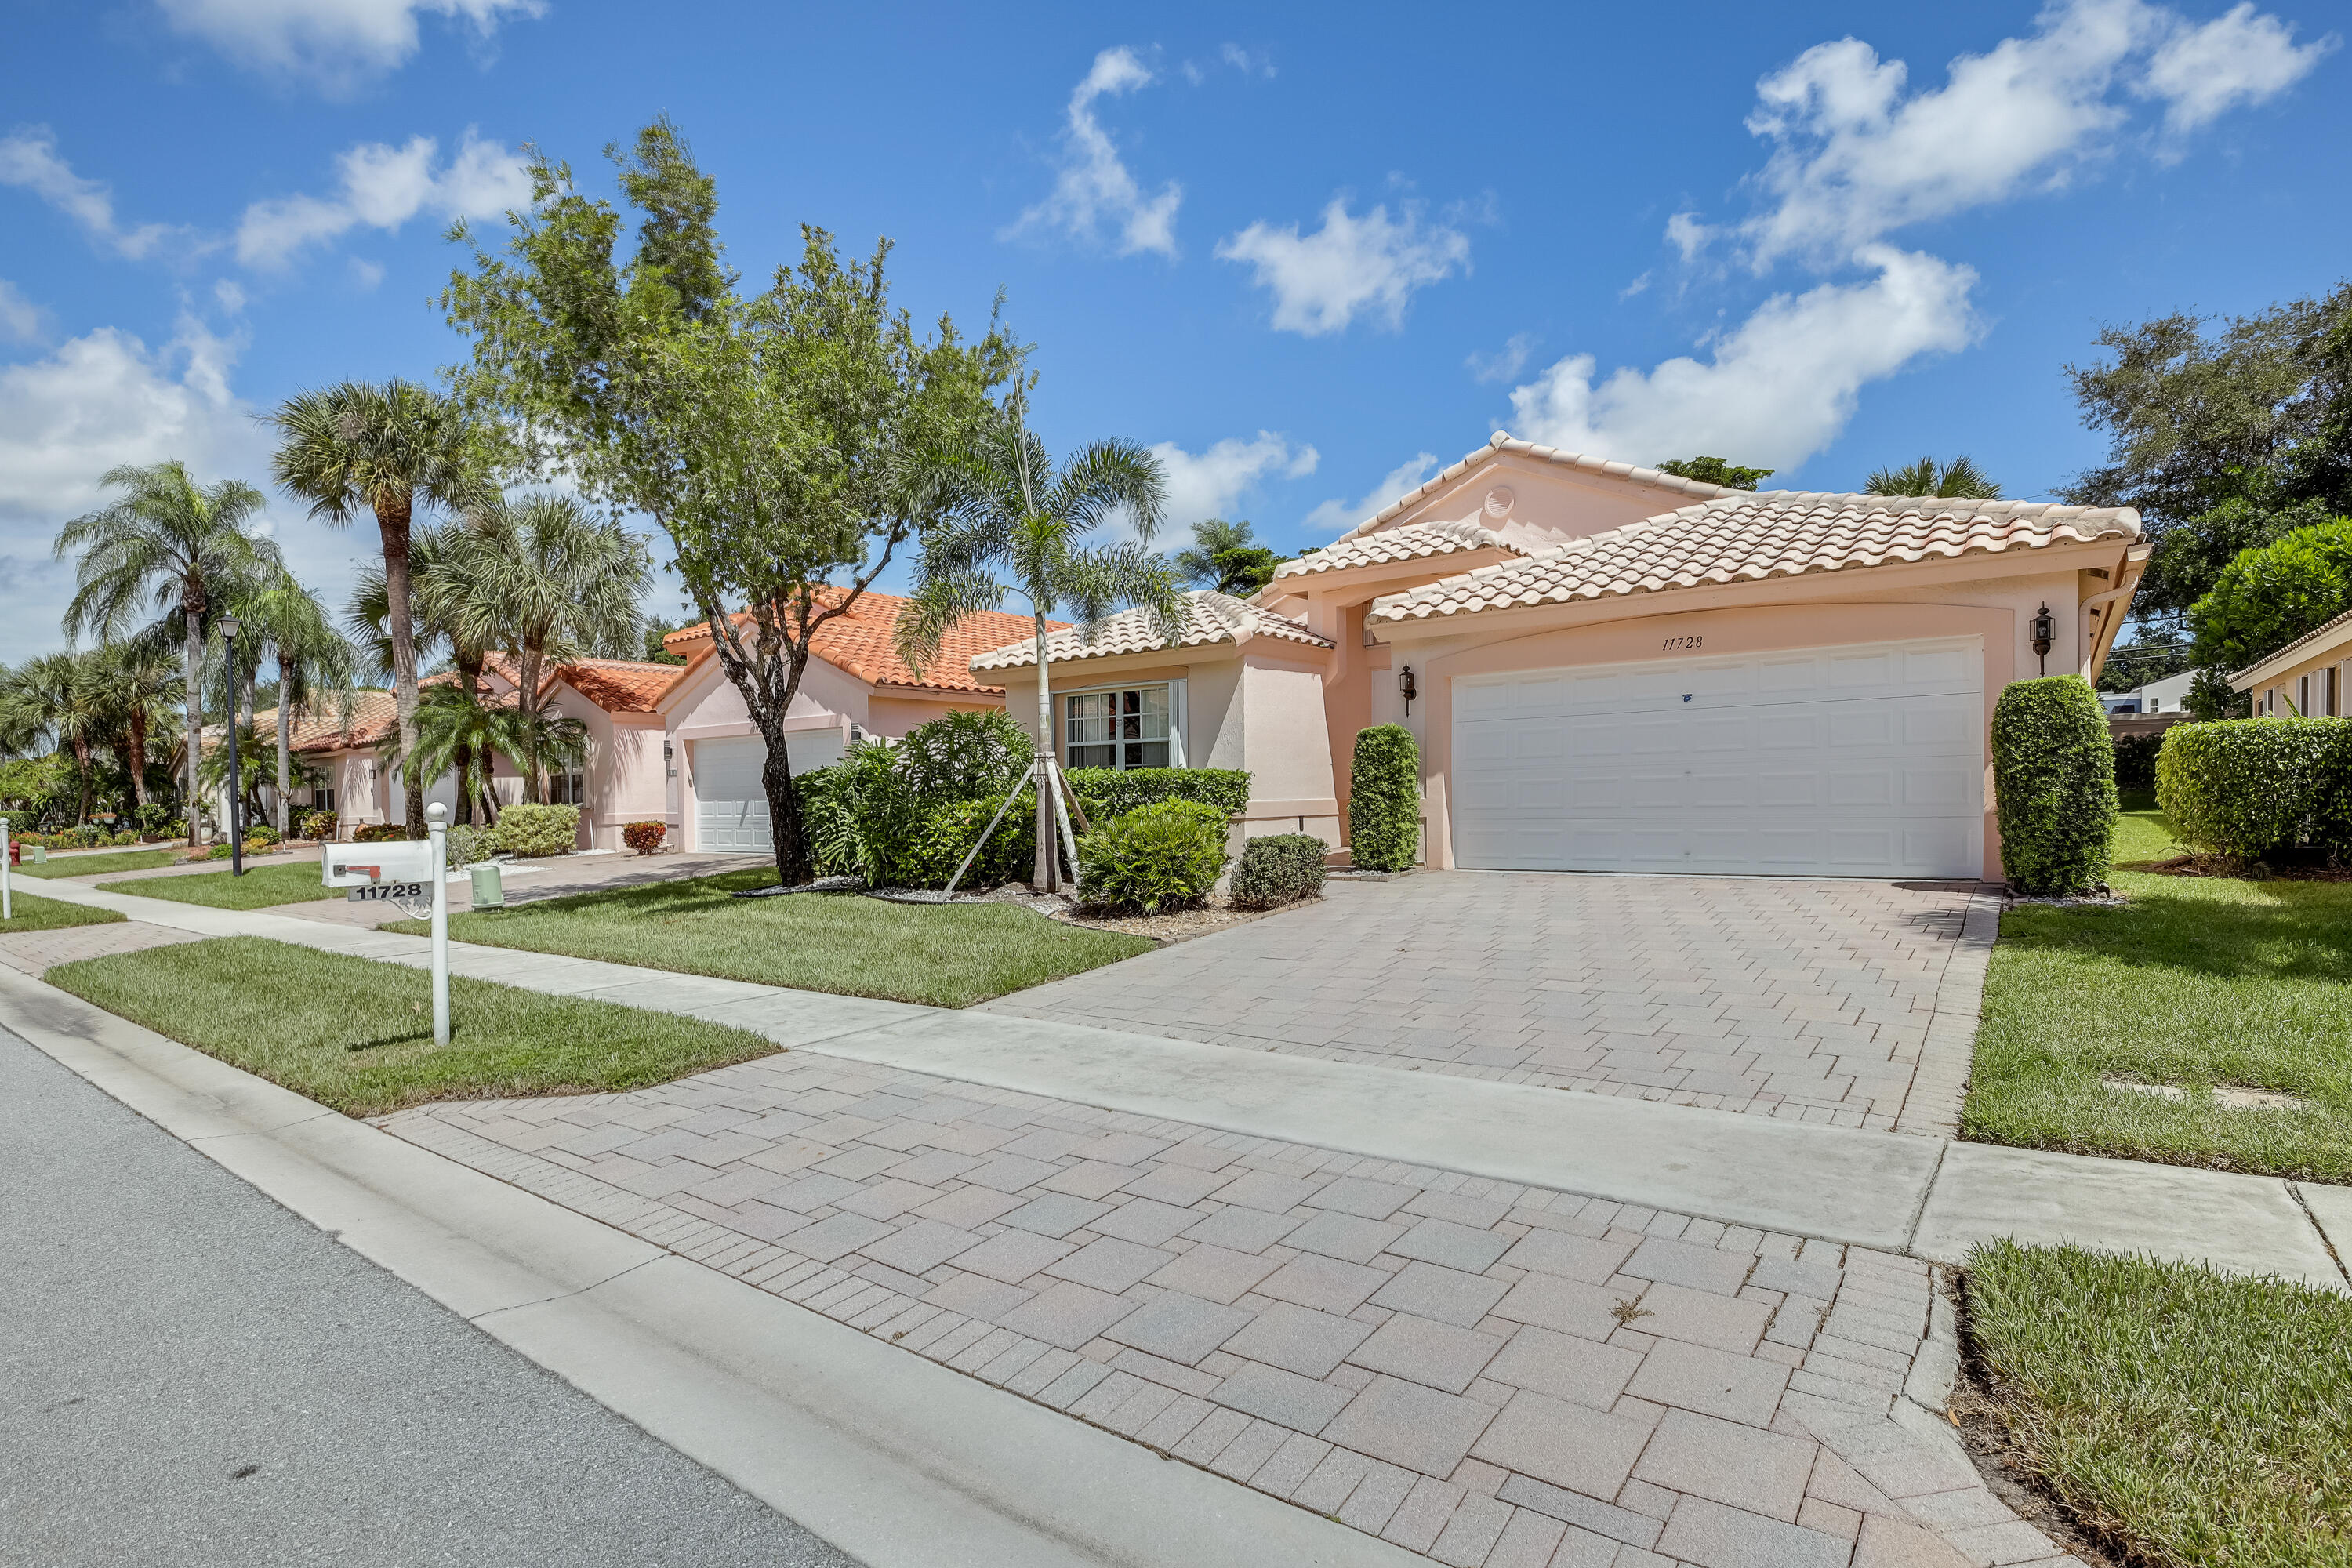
x,y
1278,869
2053,768
1384,799
1162,857
645,837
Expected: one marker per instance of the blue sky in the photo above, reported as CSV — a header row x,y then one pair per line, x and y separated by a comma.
x,y
1309,253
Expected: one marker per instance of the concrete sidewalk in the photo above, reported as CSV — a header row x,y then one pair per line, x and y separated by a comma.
x,y
1928,1197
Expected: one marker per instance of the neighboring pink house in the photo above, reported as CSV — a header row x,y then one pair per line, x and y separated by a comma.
x,y
855,686
1611,668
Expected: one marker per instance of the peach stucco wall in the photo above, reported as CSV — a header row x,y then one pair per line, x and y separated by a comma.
x,y
2303,683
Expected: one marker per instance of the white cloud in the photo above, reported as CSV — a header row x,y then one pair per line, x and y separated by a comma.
x,y
366,274
1094,188
332,43
20,319
382,187
1337,516
2238,58
1775,391
29,161
1248,64
1512,357
1211,483
1855,157
1370,264
98,400
229,295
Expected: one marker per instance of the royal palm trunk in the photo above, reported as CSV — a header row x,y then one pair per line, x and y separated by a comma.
x,y
392,519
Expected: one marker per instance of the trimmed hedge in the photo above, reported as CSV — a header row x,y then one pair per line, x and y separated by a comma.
x,y
379,833
1166,855
1108,792
2254,788
946,834
2053,766
2135,761
529,828
1384,799
1279,868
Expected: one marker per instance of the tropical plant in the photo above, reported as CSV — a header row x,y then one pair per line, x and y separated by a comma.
x,y
389,448
58,697
168,542
255,753
1005,509
1163,856
316,664
443,581
138,689
1958,479
1714,471
775,439
645,837
547,581
460,734
963,756
1226,556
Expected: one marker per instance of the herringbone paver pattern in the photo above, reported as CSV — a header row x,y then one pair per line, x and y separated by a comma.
x,y
1492,1375
1810,1000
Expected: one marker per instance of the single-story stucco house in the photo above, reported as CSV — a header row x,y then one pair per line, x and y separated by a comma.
x,y
2310,673
1612,668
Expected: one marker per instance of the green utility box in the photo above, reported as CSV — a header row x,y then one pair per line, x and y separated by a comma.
x,y
489,886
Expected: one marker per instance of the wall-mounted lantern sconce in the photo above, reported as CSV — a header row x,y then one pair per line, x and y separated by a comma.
x,y
1405,684
2045,632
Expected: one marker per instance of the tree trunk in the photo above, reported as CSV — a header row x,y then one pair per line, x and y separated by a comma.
x,y
192,654
1047,875
81,766
285,751
392,515
527,704
792,863
244,699
469,681
137,725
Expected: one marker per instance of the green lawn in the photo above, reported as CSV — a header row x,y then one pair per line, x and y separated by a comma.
x,y
2195,981
260,887
946,955
50,914
2191,1417
357,1034
102,864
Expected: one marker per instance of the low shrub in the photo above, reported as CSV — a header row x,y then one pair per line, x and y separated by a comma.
x,y
379,833
1162,857
2257,788
947,833
528,828
2135,761
1278,869
645,837
264,832
1110,792
318,825
2053,767
152,817
464,843
1384,799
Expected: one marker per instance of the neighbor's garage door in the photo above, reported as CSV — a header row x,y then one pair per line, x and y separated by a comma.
x,y
1852,761
730,809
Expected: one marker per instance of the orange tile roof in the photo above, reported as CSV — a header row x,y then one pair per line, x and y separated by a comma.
x,y
860,642
319,727
620,685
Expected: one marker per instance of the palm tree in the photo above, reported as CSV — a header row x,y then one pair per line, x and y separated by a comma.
x,y
58,697
314,661
1960,479
181,546
1004,508
442,580
460,734
138,687
549,581
388,448
1212,537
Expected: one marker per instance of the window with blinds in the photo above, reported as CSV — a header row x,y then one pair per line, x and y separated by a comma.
x,y
1126,729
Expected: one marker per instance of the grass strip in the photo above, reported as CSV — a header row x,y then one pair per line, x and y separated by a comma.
x,y
943,955
261,887
357,1034
2194,982
2191,1417
102,864
35,913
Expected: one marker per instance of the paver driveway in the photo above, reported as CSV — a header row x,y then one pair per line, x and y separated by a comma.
x,y
1812,1000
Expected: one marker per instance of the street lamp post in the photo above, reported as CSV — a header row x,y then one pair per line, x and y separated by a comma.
x,y
229,629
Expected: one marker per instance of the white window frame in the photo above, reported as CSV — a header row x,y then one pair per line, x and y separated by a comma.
x,y
1176,716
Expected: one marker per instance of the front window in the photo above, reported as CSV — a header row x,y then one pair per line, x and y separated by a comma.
x,y
1121,729
567,788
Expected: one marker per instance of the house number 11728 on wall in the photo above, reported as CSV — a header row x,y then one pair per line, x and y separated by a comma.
x,y
1683,644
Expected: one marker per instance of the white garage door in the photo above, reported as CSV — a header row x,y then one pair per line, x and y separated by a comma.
x,y
1850,762
730,809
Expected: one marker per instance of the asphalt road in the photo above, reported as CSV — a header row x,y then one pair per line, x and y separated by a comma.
x,y
191,1375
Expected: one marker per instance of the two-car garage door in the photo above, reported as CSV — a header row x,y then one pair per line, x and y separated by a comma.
x,y
1862,760
730,807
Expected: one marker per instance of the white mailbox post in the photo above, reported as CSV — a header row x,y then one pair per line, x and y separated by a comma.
x,y
7,896
412,874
